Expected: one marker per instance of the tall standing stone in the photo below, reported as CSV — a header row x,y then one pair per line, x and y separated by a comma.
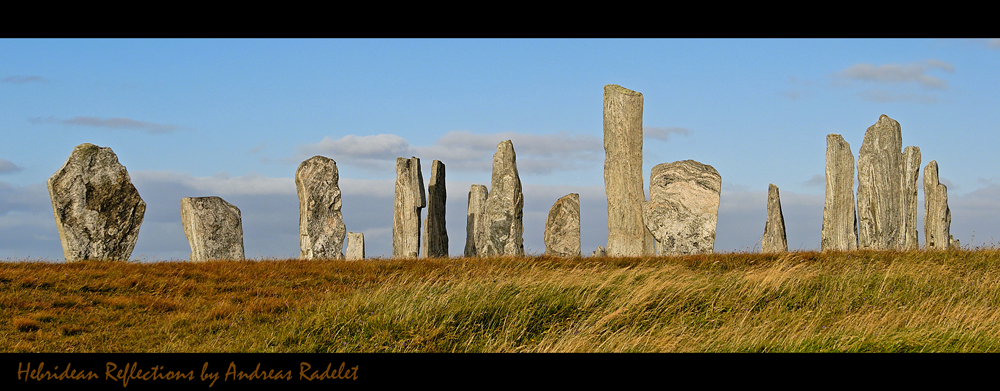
x,y
436,235
623,171
683,207
504,206
774,239
880,178
937,216
840,224
475,220
213,228
355,246
562,227
97,209
409,201
911,177
321,224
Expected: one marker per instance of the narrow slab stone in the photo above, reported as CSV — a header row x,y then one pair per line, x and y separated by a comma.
x,y
355,246
911,176
880,164
213,228
97,209
504,206
840,223
683,207
475,220
436,235
562,228
937,215
321,224
774,240
623,171
409,200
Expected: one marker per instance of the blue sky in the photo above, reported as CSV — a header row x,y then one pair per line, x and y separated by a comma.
x,y
234,118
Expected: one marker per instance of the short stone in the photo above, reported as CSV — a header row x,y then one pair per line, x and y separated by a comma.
x,y
213,228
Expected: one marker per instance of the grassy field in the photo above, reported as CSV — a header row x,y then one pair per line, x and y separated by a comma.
x,y
794,302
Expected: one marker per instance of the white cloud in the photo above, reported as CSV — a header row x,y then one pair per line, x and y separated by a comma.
x,y
898,73
6,167
112,123
660,133
220,183
889,96
21,79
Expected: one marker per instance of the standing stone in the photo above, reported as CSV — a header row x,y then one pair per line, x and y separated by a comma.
x,y
562,228
504,206
937,216
355,246
623,171
321,224
683,207
840,224
436,237
409,201
599,252
880,164
475,223
213,229
774,229
911,176
97,209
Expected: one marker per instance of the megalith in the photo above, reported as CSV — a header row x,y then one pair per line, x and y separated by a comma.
x,y
911,177
504,206
774,240
213,228
321,224
475,220
562,227
683,207
840,224
937,216
623,185
436,235
355,246
409,200
880,187
97,209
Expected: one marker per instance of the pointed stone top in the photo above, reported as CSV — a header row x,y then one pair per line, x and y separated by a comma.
x,y
884,134
619,89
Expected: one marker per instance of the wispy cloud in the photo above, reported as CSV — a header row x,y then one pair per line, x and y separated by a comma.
x,y
6,167
22,79
915,72
889,96
660,133
112,123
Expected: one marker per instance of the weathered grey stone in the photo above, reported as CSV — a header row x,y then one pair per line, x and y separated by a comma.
x,y
436,235
683,207
911,176
954,243
409,201
355,246
840,224
880,164
774,239
599,252
937,215
562,228
321,224
475,220
213,228
623,171
504,206
97,209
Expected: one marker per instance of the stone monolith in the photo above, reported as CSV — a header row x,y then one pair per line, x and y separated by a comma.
x,y
321,224
562,227
97,209
937,216
911,177
355,246
880,193
623,172
213,228
475,225
683,207
504,206
436,234
840,224
409,200
774,240
599,252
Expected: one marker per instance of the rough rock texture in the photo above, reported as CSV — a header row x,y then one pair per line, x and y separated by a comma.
x,y
937,216
623,171
880,179
321,224
213,229
840,224
504,206
683,207
436,235
599,252
355,246
409,200
911,177
475,226
562,228
954,243
774,240
97,210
